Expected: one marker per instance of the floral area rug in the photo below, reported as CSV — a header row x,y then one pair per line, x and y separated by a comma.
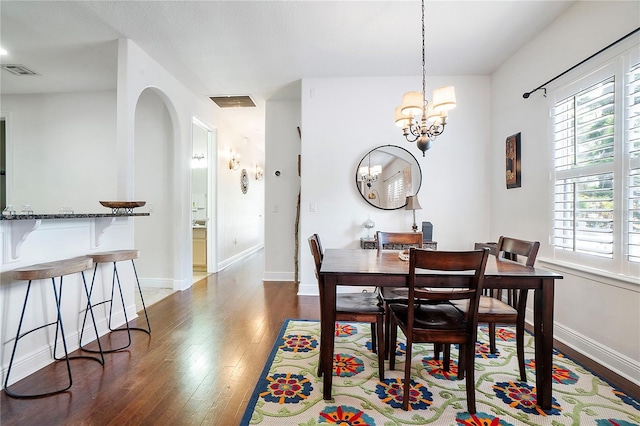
x,y
289,392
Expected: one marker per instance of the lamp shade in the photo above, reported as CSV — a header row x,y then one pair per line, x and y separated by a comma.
x,y
435,116
402,120
412,203
412,103
444,98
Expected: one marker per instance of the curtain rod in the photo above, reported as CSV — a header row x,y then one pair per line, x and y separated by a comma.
x,y
527,94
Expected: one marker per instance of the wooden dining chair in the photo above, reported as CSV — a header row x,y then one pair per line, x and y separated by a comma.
x,y
430,318
353,307
398,240
395,241
493,309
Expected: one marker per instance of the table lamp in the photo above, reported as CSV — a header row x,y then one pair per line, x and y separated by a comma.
x,y
413,204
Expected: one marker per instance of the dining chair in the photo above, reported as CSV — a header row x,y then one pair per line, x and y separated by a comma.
x,y
395,241
431,318
493,309
353,307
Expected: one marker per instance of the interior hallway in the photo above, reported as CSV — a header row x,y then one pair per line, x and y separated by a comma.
x,y
207,348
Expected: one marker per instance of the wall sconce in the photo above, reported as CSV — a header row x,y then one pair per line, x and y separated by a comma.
x,y
198,161
259,173
234,160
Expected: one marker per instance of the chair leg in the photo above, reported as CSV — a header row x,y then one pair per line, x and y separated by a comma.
x,y
392,336
374,337
446,356
522,306
407,376
469,361
320,358
437,348
462,361
387,328
381,346
492,337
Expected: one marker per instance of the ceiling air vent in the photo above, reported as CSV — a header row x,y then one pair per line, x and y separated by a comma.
x,y
18,69
233,101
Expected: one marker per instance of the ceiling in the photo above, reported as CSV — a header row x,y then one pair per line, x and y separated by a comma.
x,y
260,48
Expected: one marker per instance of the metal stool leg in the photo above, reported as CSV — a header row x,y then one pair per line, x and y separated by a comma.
x,y
144,307
115,279
58,323
95,326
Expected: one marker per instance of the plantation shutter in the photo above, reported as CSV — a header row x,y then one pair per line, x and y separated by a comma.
x,y
633,143
583,126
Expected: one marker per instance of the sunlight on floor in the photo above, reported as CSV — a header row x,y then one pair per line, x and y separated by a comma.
x,y
152,294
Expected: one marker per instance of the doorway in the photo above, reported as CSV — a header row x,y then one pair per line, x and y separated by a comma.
x,y
202,201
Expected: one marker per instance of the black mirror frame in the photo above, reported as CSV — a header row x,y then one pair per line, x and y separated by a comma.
x,y
384,146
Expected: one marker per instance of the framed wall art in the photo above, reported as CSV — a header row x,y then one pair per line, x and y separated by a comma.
x,y
513,161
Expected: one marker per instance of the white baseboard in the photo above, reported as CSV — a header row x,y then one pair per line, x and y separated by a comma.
x,y
608,358
233,259
308,289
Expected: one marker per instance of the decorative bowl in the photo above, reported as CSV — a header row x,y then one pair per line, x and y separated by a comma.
x,y
123,204
122,207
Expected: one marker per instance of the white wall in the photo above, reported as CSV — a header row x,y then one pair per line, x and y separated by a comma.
x,y
240,217
154,183
342,119
598,315
283,148
61,150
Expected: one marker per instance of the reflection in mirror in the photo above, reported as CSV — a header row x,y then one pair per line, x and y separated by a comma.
x,y
387,175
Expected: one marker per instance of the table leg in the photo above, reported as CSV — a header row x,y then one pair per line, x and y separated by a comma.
x,y
543,329
327,327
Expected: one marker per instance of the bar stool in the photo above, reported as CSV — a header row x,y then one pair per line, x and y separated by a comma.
x,y
115,257
44,271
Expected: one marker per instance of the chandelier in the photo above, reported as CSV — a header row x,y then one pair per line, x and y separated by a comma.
x,y
433,115
370,174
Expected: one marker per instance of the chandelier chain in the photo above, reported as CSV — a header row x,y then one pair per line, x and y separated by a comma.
x,y
424,69
425,129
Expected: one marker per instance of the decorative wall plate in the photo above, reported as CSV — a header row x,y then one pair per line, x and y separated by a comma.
x,y
244,181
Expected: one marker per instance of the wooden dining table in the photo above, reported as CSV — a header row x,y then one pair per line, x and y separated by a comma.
x,y
384,268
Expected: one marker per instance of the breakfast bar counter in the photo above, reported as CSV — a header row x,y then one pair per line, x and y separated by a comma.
x,y
30,239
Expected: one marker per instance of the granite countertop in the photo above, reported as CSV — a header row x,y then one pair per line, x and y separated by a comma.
x,y
67,216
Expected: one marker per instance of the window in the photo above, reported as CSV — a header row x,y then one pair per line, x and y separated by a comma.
x,y
633,142
596,137
395,190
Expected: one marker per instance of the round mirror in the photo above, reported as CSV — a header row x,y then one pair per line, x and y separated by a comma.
x,y
386,175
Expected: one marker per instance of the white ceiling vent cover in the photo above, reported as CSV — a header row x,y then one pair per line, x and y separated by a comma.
x,y
18,69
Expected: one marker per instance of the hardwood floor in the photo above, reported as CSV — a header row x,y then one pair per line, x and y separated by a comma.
x,y
199,366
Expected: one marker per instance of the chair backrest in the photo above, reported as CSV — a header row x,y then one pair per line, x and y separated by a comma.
x,y
516,247
398,240
317,237
316,251
454,261
314,245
